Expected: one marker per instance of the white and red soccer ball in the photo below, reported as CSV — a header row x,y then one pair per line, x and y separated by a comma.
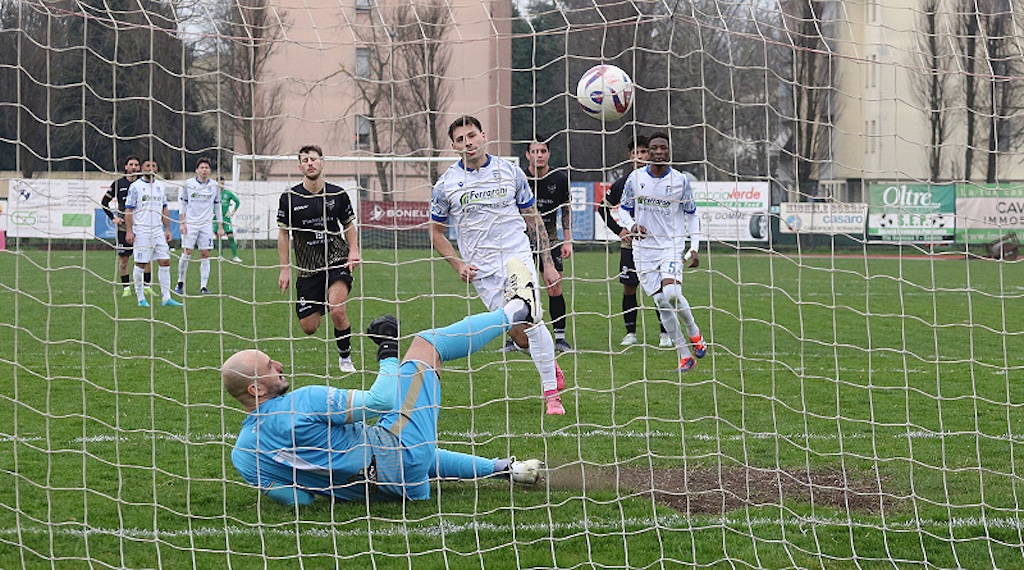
x,y
605,92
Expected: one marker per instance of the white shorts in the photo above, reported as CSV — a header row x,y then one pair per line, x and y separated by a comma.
x,y
199,236
655,271
151,245
491,288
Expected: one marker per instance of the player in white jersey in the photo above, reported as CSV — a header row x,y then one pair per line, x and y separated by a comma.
x,y
199,210
148,228
494,212
658,207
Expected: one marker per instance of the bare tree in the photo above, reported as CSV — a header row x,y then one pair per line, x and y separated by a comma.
x,y
968,28
987,35
373,78
400,74
934,86
252,29
422,96
812,84
1005,128
23,80
692,64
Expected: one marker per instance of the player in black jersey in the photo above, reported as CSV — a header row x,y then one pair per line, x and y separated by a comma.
x,y
551,188
317,218
118,191
627,270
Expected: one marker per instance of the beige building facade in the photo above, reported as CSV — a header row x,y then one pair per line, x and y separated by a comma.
x,y
324,51
882,132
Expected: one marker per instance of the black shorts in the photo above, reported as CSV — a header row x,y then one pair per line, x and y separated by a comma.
x,y
627,269
124,249
312,290
556,258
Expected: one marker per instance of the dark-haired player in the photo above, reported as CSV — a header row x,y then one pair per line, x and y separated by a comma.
x,y
638,155
199,209
494,212
316,217
551,187
118,192
659,208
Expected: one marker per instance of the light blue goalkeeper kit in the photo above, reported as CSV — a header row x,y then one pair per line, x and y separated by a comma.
x,y
317,438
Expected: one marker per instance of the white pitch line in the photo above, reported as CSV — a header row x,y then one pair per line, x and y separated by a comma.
x,y
667,523
462,437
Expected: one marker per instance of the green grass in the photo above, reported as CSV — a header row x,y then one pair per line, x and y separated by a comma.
x,y
903,376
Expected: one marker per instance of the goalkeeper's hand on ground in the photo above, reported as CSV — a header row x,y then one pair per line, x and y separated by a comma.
x,y
290,496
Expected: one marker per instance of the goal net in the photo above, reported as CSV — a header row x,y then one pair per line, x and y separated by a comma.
x,y
856,167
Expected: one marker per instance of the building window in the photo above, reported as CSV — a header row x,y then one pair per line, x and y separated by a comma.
x,y
872,130
362,131
872,80
363,180
362,62
872,10
364,4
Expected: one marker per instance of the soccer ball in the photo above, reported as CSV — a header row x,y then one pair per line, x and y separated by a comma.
x,y
605,92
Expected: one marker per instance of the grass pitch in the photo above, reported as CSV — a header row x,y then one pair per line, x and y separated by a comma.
x,y
852,412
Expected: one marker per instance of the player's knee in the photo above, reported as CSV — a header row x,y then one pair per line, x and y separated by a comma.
x,y
518,335
673,292
662,300
339,316
309,326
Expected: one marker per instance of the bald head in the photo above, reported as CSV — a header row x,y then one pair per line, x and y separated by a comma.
x,y
239,372
251,376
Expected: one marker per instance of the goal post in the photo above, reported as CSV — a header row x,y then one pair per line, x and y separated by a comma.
x,y
390,194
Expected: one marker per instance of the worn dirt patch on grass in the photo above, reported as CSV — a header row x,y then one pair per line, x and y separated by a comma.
x,y
718,491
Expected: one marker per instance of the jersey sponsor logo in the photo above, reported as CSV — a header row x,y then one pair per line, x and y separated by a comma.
x,y
472,196
301,207
652,202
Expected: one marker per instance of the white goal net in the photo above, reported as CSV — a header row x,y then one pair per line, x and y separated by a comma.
x,y
858,169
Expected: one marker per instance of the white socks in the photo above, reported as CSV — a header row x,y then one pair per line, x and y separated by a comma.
x,y
542,351
670,320
204,272
163,274
138,274
183,267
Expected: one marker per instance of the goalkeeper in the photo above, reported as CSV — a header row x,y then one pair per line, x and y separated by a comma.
x,y
315,440
229,204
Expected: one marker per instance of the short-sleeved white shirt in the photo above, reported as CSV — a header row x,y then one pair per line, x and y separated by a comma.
x,y
147,200
661,205
201,202
484,206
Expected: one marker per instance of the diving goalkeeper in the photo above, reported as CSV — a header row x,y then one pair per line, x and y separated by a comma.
x,y
315,440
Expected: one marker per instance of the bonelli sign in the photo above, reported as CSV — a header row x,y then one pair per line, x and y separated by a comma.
x,y
913,213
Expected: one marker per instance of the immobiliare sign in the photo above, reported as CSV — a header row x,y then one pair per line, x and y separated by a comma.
x,y
987,212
